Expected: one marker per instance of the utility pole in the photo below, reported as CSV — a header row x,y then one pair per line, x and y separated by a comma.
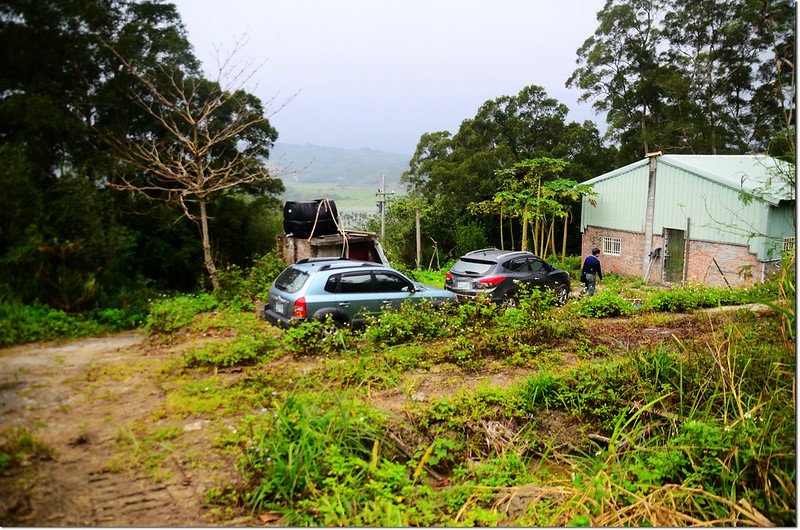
x,y
382,193
419,239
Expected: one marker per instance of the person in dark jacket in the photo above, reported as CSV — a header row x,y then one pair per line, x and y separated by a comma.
x,y
592,271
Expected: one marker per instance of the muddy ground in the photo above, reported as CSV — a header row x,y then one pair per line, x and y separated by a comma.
x,y
77,397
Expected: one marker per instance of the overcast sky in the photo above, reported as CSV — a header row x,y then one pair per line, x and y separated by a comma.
x,y
379,73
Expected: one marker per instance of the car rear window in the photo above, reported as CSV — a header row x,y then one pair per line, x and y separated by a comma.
x,y
472,267
291,280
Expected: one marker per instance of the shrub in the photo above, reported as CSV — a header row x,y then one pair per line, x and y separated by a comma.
x,y
606,303
243,350
411,322
315,338
28,323
173,313
238,287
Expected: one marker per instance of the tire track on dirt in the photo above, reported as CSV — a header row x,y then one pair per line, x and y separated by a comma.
x,y
75,397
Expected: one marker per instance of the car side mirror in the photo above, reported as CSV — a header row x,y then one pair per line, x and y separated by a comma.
x,y
410,289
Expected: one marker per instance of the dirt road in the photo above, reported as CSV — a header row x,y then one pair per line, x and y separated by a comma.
x,y
75,397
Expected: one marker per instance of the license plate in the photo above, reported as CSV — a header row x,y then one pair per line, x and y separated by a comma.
x,y
279,307
464,285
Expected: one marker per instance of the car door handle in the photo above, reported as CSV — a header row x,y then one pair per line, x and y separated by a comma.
x,y
386,302
344,304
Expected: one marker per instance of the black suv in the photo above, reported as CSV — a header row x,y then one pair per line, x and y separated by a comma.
x,y
498,274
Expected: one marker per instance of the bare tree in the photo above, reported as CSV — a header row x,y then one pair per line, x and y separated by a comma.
x,y
207,137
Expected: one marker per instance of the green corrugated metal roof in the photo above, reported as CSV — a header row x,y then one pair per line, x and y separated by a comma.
x,y
756,174
760,175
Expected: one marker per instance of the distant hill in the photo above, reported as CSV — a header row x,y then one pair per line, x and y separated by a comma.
x,y
312,164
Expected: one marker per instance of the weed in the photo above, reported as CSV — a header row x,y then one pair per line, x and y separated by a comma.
x,y
606,303
317,338
239,287
293,449
173,313
242,350
411,322
18,446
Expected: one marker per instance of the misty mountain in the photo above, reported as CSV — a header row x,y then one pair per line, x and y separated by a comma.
x,y
309,164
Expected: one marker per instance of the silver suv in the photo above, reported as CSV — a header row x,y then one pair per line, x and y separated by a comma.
x,y
346,290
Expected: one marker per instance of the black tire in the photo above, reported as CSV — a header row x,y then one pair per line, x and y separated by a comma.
x,y
562,294
511,302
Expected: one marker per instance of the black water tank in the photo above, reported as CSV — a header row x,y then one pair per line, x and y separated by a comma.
x,y
299,218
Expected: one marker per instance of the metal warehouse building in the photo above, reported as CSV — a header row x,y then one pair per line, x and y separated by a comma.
x,y
711,219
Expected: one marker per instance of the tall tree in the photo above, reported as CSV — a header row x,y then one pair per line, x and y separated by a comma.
x,y
619,71
54,84
212,140
451,171
698,76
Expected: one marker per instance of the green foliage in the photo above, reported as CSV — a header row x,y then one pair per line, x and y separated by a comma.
x,y
295,447
428,277
171,314
605,303
316,337
451,171
411,322
244,349
656,98
470,236
541,390
239,287
29,323
18,446
507,469
682,299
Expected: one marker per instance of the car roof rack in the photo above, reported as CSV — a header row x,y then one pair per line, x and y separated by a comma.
x,y
483,250
315,260
335,265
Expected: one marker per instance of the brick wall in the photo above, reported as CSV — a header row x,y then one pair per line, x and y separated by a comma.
x,y
738,264
628,263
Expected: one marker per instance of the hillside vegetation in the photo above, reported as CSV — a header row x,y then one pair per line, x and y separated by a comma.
x,y
310,164
597,413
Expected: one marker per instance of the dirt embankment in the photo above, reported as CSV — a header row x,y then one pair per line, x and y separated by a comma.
x,y
76,398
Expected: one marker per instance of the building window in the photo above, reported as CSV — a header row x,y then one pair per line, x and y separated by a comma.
x,y
788,244
612,246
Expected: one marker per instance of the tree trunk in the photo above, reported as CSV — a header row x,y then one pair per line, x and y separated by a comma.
x,y
564,242
209,261
524,242
502,247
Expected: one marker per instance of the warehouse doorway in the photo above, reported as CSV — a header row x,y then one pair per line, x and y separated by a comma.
x,y
674,254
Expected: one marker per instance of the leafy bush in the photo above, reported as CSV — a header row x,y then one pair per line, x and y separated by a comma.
x,y
20,323
411,322
244,349
683,299
171,314
435,278
239,287
605,303
315,338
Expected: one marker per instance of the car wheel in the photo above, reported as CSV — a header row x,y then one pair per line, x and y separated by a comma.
x,y
562,294
511,303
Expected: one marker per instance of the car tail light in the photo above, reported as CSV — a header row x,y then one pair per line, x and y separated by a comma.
x,y
494,280
300,307
448,276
